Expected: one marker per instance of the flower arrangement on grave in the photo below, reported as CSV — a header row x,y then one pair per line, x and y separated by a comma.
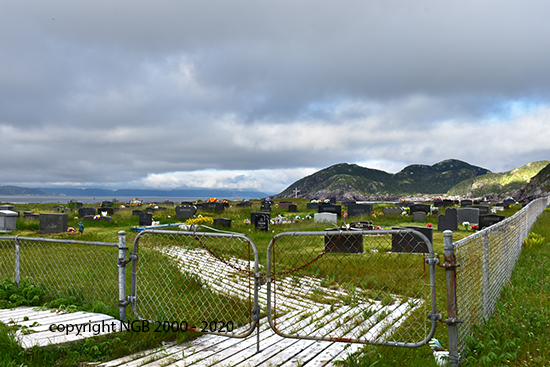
x,y
71,229
345,214
97,217
373,215
474,227
212,200
308,217
297,218
430,225
200,220
378,228
466,225
246,221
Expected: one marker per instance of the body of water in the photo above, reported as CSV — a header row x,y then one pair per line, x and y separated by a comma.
x,y
90,199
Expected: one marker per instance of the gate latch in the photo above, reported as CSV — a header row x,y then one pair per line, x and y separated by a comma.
x,y
261,278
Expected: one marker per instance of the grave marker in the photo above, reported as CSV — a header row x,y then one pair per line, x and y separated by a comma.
x,y
470,215
489,219
86,211
343,242
52,223
222,222
410,241
419,217
420,208
8,221
330,208
145,219
325,217
186,211
359,209
261,220
392,211
449,221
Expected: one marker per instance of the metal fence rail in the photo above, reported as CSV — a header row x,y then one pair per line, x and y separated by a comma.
x,y
200,280
350,286
84,270
487,259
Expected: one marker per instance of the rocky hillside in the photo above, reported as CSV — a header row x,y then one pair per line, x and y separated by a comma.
x,y
352,182
537,187
502,184
21,191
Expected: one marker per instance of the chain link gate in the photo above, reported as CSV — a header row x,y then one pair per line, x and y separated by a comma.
x,y
196,281
361,286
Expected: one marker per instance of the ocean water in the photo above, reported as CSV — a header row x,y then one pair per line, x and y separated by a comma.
x,y
14,199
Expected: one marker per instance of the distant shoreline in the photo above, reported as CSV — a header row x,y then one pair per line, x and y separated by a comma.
x,y
58,199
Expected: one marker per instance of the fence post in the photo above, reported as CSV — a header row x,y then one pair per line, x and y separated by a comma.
x,y
450,272
121,263
486,296
17,260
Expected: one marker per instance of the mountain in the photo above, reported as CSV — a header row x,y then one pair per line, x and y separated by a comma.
x,y
20,191
352,182
538,186
498,183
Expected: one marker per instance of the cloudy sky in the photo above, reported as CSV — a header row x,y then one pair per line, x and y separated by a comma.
x,y
258,94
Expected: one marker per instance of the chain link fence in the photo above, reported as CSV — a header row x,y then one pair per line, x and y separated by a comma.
x,y
202,281
86,271
487,259
359,286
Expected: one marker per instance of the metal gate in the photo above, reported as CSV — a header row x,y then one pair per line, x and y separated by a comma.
x,y
359,286
195,281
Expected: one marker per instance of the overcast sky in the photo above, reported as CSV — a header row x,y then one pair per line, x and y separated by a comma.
x,y
258,94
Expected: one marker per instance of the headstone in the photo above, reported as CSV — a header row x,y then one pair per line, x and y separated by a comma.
x,y
420,208
88,217
489,219
59,209
222,222
410,241
150,209
137,212
359,209
186,211
53,223
439,203
107,204
86,211
365,225
504,205
31,215
449,221
260,220
293,208
325,217
187,203
106,218
392,211
314,206
470,215
243,204
347,203
330,208
343,242
419,217
483,208
145,219
285,204
213,207
332,200
265,206
466,202
8,220
109,210
6,207
509,202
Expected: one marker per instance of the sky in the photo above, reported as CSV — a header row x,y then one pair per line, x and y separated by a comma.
x,y
257,94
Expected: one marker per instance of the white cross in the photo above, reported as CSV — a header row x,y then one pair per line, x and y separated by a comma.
x,y
296,191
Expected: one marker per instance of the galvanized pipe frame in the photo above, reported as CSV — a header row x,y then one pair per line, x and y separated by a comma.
x,y
255,311
431,260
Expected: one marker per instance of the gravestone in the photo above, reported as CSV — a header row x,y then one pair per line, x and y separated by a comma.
x,y
449,221
137,212
347,203
466,202
293,208
489,219
30,215
285,204
410,241
88,217
53,223
243,204
222,222
107,204
419,217
483,208
8,221
392,211
150,209
312,206
365,225
325,217
260,220
503,205
439,203
86,211
470,215
330,208
509,202
332,200
187,203
6,207
109,210
420,208
343,242
265,206
213,207
106,218
145,219
359,209
186,211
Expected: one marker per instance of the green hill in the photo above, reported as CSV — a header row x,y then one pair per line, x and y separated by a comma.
x,y
21,191
538,186
498,183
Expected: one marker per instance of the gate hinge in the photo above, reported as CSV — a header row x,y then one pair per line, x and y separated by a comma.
x,y
256,313
132,299
432,261
452,321
435,316
133,257
123,303
123,261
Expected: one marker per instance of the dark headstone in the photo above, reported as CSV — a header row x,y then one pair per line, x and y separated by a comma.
x,y
392,211
420,208
187,203
53,223
88,217
366,225
332,200
465,203
109,210
509,202
419,217
449,221
439,203
483,208
137,212
6,207
150,209
213,207
285,204
410,241
186,211
31,215
265,206
343,242
145,219
359,209
243,204
82,212
222,222
106,218
347,203
489,219
314,206
261,220
293,208
330,208
107,204
470,215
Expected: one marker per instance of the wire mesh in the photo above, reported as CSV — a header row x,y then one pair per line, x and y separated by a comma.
x,y
203,281
87,272
355,286
487,260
